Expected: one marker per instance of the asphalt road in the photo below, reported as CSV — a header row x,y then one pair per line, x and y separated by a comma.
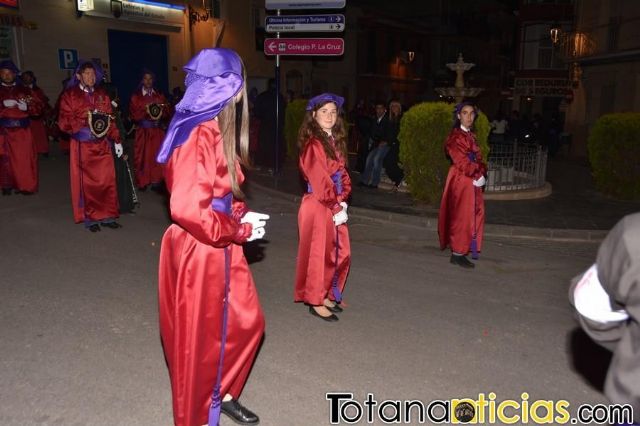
x,y
79,328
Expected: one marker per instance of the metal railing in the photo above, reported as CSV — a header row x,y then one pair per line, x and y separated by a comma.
x,y
516,166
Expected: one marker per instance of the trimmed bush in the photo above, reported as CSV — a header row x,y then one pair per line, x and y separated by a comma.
x,y
423,131
614,153
293,116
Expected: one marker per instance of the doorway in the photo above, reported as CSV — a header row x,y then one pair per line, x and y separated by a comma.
x,y
130,53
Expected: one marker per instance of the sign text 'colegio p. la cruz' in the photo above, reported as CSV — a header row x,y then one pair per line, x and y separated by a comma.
x,y
304,46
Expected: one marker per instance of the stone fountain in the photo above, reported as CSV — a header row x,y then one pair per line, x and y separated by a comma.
x,y
459,92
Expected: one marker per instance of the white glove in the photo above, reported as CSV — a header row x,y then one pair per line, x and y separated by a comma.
x,y
341,217
9,103
256,234
118,149
479,182
257,220
344,206
114,104
22,105
593,302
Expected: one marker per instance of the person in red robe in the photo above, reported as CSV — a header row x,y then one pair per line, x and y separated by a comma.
x,y
324,251
148,109
461,216
38,129
18,158
211,322
93,181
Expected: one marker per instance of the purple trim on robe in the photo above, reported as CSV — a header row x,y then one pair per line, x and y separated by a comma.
x,y
222,205
14,122
337,181
148,124
84,135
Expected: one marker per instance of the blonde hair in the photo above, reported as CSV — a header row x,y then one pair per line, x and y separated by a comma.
x,y
235,138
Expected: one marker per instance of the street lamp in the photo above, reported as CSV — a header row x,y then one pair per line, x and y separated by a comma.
x,y
554,33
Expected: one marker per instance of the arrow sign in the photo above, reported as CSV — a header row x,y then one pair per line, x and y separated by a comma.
x,y
304,46
304,4
305,23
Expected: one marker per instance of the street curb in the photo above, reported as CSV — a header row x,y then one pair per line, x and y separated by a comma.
x,y
431,223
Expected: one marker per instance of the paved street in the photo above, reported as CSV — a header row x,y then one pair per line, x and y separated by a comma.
x,y
80,341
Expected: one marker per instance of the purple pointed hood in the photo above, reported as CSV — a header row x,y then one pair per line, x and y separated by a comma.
x,y
214,77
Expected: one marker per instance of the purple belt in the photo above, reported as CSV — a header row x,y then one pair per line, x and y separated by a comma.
x,y
14,122
337,181
222,205
148,124
84,135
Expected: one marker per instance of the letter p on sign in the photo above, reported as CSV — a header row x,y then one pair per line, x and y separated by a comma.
x,y
68,59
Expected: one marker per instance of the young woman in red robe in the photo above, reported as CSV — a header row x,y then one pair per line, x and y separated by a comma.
x,y
324,252
94,195
149,131
18,158
211,321
461,216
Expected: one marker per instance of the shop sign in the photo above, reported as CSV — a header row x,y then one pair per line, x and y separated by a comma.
x,y
544,87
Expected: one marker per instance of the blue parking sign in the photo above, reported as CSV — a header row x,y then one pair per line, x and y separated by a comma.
x,y
68,59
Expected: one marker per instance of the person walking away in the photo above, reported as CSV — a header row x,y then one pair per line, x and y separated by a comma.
x,y
211,322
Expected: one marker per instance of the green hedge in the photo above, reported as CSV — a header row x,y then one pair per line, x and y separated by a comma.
x,y
423,131
293,116
614,153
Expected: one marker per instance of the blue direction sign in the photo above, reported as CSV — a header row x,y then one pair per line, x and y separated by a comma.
x,y
305,23
304,4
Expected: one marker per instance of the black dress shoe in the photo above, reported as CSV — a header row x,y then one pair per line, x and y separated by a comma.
x,y
112,225
461,261
330,318
336,309
239,413
94,228
6,191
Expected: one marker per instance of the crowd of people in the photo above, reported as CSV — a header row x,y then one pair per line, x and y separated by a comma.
x,y
211,321
519,128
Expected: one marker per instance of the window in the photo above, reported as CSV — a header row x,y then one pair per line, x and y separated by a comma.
x,y
537,49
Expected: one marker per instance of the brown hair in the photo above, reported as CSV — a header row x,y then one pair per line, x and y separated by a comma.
x,y
310,129
235,137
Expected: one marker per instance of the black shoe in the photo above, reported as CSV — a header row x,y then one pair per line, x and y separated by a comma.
x,y
239,413
330,318
363,184
372,186
94,228
336,309
6,191
112,225
461,261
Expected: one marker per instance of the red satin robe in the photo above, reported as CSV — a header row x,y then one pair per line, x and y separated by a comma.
x,y
462,206
148,140
18,158
317,263
93,180
192,280
38,129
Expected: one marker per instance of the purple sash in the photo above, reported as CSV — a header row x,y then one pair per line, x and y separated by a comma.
x,y
148,124
14,122
84,135
337,181
222,205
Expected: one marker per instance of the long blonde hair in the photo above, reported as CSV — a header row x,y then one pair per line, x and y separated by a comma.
x,y
310,129
235,138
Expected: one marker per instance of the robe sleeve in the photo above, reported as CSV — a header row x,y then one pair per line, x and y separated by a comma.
x,y
313,162
137,111
36,106
66,120
193,175
458,148
346,184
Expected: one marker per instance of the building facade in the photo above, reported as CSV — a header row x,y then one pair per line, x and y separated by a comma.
x,y
607,73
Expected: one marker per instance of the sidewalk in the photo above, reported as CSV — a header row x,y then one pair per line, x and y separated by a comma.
x,y
574,211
